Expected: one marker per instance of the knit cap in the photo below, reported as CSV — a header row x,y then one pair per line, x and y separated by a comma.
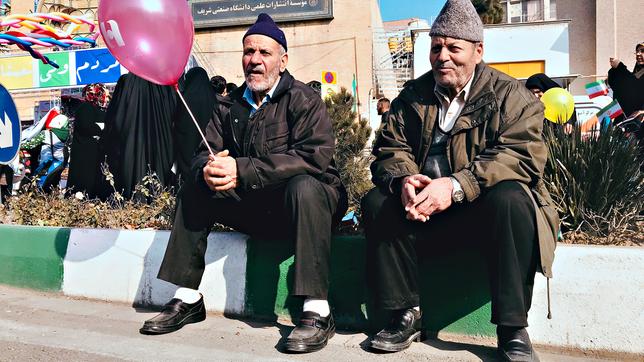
x,y
266,26
458,19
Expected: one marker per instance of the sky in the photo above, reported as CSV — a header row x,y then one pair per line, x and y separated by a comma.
x,y
403,9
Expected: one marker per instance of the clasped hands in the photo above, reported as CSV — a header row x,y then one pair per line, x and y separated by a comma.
x,y
422,197
220,173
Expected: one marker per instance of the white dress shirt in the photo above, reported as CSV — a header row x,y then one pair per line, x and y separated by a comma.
x,y
450,110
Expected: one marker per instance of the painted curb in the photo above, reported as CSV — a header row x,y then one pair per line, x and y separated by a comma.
x,y
597,299
32,257
121,265
597,294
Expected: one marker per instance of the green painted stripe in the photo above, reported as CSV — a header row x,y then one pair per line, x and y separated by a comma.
x,y
269,276
32,257
267,270
455,294
454,287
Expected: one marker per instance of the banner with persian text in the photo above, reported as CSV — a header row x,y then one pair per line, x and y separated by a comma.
x,y
220,13
77,67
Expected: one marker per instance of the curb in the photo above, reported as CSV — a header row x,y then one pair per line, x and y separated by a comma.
x,y
597,295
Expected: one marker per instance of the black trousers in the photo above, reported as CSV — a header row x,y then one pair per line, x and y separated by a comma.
x,y
304,211
500,224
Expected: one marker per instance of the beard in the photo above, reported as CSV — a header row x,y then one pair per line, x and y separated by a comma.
x,y
455,79
262,82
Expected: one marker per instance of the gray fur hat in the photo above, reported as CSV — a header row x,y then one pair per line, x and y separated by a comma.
x,y
458,19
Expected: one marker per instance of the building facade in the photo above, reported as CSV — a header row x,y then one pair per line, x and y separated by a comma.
x,y
341,42
599,30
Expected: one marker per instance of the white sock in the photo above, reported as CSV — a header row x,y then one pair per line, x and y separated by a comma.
x,y
187,295
319,306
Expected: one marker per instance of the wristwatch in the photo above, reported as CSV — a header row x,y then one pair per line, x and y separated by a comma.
x,y
457,191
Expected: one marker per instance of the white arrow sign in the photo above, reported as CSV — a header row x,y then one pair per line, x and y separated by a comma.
x,y
6,135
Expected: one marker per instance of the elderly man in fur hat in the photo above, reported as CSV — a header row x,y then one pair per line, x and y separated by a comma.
x,y
273,176
460,162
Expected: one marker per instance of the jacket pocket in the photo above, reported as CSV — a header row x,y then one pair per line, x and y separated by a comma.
x,y
276,143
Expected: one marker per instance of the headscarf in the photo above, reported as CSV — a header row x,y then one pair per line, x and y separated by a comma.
x,y
541,81
638,71
97,94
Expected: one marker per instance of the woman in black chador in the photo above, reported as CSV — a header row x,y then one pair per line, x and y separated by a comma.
x,y
84,170
201,98
138,132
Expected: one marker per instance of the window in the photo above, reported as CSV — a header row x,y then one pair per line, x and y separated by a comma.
x,y
532,10
514,11
553,9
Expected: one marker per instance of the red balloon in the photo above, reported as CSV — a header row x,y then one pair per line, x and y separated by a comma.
x,y
150,38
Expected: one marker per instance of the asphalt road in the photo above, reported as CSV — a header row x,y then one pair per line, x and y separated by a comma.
x,y
37,326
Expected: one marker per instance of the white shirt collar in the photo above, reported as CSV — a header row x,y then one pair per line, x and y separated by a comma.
x,y
449,111
463,94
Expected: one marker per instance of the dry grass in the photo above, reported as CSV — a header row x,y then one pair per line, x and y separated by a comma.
x,y
621,238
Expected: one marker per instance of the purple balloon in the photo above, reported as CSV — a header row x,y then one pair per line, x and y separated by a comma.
x,y
150,38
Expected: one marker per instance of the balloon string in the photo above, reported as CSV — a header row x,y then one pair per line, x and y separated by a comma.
x,y
203,137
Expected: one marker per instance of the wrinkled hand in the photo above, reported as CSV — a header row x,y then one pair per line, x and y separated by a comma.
x,y
220,173
614,62
434,198
411,185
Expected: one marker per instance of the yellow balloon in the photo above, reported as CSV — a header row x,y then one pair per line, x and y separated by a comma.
x,y
559,105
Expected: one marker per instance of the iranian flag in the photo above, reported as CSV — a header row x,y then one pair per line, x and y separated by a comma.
x,y
596,89
612,110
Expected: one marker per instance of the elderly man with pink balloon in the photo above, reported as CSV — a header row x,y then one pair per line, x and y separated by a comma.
x,y
265,167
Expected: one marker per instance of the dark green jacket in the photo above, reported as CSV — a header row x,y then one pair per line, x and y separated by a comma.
x,y
497,137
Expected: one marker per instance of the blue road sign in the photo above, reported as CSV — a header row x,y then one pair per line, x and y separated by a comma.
x,y
9,127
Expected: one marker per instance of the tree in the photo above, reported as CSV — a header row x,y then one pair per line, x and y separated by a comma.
x,y
351,137
490,11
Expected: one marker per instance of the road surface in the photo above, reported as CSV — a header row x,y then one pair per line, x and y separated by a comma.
x,y
37,326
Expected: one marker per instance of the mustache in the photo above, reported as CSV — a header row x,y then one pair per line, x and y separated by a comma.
x,y
254,70
438,66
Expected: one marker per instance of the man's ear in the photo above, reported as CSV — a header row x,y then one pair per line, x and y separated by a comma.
x,y
283,62
478,52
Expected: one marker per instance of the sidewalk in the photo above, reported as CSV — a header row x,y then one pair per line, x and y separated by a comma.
x,y
48,326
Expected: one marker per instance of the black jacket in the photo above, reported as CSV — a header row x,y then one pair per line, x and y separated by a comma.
x,y
627,88
289,135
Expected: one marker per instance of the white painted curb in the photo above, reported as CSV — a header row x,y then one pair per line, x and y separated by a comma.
x,y
121,265
597,296
597,293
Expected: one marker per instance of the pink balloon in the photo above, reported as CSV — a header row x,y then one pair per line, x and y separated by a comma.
x,y
150,38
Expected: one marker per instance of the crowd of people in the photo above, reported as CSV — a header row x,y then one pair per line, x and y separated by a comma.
x,y
137,130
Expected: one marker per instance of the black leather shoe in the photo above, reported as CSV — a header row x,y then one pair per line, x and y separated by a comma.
x,y
403,329
174,315
311,334
514,345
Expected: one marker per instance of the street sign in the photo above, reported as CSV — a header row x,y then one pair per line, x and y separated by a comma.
x,y
329,77
9,127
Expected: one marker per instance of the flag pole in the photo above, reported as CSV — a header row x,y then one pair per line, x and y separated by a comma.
x,y
615,28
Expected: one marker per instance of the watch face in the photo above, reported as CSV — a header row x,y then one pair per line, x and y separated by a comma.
x,y
459,196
